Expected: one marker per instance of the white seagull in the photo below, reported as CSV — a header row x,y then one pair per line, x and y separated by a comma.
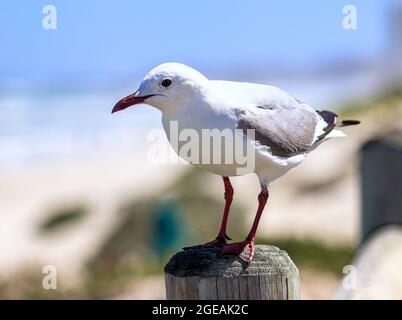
x,y
285,129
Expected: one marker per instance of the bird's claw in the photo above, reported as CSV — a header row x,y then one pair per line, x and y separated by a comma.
x,y
198,246
244,250
220,241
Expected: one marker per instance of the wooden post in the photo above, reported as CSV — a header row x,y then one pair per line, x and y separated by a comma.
x,y
198,274
381,172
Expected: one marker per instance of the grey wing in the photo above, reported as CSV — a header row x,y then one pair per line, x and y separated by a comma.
x,y
286,130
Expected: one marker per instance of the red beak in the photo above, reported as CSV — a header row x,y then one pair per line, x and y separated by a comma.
x,y
129,101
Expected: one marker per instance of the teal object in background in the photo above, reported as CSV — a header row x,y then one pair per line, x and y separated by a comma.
x,y
168,229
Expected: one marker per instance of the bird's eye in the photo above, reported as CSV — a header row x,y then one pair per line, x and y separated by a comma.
x,y
166,82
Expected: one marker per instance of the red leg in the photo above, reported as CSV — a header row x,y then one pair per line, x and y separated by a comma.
x,y
245,249
220,240
222,236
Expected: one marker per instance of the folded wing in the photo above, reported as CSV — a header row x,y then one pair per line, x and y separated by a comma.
x,y
286,130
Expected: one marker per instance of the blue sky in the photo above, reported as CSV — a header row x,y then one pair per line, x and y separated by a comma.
x,y
108,38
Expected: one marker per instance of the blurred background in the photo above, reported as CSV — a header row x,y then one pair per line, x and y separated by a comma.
x,y
76,189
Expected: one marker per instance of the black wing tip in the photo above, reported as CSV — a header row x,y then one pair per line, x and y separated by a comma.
x,y
328,116
350,122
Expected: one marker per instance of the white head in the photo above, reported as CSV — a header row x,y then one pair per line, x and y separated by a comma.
x,y
168,87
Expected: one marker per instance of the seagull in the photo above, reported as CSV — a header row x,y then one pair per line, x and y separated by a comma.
x,y
284,130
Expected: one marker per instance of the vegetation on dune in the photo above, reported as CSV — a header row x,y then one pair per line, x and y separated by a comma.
x,y
387,101
313,254
61,218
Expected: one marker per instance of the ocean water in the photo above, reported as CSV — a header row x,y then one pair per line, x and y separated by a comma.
x,y
41,129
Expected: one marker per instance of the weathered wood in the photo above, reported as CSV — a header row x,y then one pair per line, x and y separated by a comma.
x,y
381,176
270,276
